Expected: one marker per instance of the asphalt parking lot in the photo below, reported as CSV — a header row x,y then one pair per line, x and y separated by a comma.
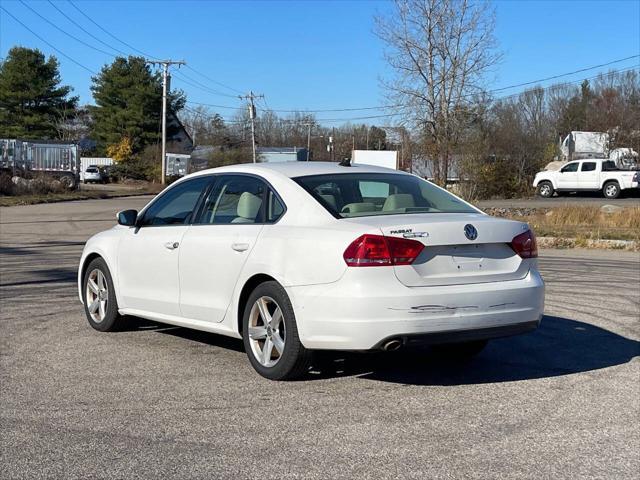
x,y
162,402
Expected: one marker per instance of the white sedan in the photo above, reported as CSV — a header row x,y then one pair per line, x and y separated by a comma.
x,y
295,257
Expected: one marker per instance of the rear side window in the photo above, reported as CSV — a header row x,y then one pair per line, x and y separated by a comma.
x,y
175,205
234,199
275,207
365,194
588,166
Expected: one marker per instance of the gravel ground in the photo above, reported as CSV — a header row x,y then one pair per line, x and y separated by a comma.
x,y
163,402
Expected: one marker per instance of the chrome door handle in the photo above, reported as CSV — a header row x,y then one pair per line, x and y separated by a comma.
x,y
240,247
171,245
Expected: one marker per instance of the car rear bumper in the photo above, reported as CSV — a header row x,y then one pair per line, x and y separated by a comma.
x,y
347,315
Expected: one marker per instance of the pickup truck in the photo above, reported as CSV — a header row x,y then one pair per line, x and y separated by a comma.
x,y
590,174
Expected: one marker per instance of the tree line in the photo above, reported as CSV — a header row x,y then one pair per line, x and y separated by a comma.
x,y
439,52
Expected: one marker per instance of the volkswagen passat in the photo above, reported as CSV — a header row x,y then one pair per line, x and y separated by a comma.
x,y
294,257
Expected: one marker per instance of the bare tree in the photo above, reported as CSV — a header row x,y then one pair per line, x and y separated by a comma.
x,y
440,51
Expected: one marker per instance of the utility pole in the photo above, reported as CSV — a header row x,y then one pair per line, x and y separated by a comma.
x,y
308,125
252,116
331,139
165,91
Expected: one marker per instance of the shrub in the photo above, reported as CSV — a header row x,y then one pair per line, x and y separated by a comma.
x,y
39,185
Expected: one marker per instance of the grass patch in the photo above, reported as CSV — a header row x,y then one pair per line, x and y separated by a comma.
x,y
586,223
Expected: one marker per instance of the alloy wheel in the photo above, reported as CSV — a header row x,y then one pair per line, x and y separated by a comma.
x,y
611,190
97,295
267,333
545,190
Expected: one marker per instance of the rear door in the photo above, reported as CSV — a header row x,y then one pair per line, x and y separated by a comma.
x,y
588,176
218,244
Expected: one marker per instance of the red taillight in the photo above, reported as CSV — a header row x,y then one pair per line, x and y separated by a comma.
x,y
377,250
525,245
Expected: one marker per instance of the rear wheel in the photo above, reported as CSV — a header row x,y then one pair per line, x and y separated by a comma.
x,y
611,190
545,189
270,334
460,351
100,304
68,181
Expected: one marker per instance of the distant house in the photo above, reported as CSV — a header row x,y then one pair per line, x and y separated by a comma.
x,y
281,154
177,135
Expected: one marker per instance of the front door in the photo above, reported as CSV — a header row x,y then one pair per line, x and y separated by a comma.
x,y
148,253
568,178
216,247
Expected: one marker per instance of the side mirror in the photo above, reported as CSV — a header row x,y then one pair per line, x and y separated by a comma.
x,y
127,218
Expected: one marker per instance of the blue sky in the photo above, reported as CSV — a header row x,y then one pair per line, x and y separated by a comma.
x,y
314,54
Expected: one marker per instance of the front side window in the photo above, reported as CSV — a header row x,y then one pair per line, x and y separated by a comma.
x,y
234,199
588,167
571,167
364,194
175,206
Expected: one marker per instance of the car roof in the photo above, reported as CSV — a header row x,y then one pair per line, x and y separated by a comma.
x,y
299,168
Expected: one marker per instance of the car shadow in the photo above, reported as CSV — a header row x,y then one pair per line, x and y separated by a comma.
x,y
137,324
560,346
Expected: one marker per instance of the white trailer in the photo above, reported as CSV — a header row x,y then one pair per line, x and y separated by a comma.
x,y
377,158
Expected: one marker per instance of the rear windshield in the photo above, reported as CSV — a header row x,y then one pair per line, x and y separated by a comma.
x,y
92,170
365,194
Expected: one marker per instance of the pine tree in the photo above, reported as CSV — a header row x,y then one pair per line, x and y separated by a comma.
x,y
128,97
33,103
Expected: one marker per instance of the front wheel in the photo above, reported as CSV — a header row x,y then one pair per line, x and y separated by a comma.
x,y
270,334
100,304
611,190
545,189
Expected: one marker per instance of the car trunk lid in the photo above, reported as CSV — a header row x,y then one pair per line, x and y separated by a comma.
x,y
451,256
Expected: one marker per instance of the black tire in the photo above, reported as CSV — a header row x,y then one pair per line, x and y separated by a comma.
x,y
460,352
112,319
611,190
295,360
545,189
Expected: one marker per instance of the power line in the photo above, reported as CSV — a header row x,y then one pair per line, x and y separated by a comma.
x,y
195,83
65,32
153,57
110,34
46,42
564,74
496,90
85,30
506,97
214,81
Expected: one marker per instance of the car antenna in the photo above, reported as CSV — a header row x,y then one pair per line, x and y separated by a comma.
x,y
346,162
